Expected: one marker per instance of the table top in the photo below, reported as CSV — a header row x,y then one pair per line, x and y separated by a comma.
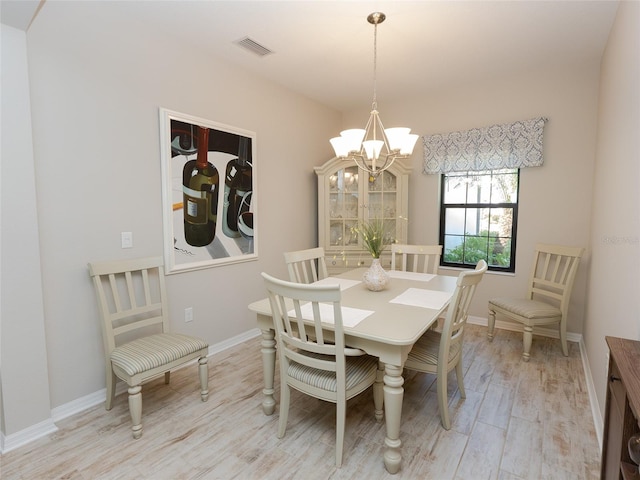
x,y
392,323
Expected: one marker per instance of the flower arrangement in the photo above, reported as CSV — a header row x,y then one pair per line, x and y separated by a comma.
x,y
375,236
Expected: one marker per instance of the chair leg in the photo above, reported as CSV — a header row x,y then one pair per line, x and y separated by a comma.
x,y
527,338
563,337
285,394
135,409
378,393
111,389
491,324
441,384
203,371
460,377
341,414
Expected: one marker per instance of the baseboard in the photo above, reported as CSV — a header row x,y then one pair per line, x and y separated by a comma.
x,y
29,434
572,337
598,421
233,341
79,405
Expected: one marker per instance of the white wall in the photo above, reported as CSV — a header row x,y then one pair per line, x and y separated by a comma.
x,y
24,384
97,81
613,303
555,199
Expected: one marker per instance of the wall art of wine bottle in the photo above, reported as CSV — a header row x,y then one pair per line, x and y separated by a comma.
x,y
200,182
209,198
238,183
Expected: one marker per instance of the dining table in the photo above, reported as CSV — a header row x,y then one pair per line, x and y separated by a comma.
x,y
385,324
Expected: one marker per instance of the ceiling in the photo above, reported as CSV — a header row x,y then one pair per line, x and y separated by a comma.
x,y
324,49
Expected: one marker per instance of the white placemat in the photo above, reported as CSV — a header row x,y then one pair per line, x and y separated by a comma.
x,y
350,316
343,282
419,297
420,277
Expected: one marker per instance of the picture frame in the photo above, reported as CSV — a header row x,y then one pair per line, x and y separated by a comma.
x,y
209,197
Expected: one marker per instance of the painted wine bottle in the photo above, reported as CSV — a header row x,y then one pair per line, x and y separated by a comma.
x,y
237,184
200,195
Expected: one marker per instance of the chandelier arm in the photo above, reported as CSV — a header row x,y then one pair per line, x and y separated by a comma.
x,y
387,163
384,134
360,162
367,130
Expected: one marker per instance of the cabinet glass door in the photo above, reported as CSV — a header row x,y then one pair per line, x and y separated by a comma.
x,y
343,207
383,202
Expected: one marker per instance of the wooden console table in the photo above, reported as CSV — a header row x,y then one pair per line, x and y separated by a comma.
x,y
622,412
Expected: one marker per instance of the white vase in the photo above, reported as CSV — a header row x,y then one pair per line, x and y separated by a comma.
x,y
375,278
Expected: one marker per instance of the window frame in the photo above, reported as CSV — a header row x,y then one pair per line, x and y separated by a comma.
x,y
510,205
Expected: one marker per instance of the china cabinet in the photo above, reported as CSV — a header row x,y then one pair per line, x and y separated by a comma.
x,y
622,411
347,196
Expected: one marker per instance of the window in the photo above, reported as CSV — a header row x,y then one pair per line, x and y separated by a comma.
x,y
478,218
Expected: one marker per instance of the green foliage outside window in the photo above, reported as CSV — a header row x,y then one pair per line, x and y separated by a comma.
x,y
485,246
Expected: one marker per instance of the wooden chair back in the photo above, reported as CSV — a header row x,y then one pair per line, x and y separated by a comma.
x,y
132,299
457,313
553,274
306,266
416,258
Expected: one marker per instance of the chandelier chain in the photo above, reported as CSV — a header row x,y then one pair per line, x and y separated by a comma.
x,y
374,105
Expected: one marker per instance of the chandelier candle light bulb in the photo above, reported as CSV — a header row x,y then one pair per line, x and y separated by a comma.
x,y
372,154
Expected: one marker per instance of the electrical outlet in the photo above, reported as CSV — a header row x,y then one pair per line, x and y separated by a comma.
x,y
188,314
126,239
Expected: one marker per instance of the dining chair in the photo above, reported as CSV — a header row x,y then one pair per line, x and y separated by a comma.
x,y
306,266
138,345
547,300
416,258
440,352
315,361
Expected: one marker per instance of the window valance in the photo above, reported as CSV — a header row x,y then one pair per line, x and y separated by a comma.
x,y
511,145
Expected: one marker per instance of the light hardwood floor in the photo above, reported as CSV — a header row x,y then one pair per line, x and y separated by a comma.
x,y
519,421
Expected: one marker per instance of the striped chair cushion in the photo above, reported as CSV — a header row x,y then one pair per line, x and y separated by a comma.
x,y
356,369
154,351
426,348
526,308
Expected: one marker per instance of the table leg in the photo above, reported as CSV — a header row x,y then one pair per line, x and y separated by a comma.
x,y
268,370
393,394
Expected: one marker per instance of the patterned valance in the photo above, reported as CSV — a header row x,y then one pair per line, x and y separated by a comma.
x,y
512,145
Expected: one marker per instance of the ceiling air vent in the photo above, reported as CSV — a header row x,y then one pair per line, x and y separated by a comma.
x,y
253,46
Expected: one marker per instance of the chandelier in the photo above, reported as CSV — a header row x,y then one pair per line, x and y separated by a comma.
x,y
374,148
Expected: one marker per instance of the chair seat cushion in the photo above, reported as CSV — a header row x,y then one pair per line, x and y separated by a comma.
x,y
425,350
526,308
146,353
357,369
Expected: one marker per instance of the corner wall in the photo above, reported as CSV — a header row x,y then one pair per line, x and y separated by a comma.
x,y
612,301
24,383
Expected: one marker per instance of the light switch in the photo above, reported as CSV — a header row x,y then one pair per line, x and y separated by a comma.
x,y
127,239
